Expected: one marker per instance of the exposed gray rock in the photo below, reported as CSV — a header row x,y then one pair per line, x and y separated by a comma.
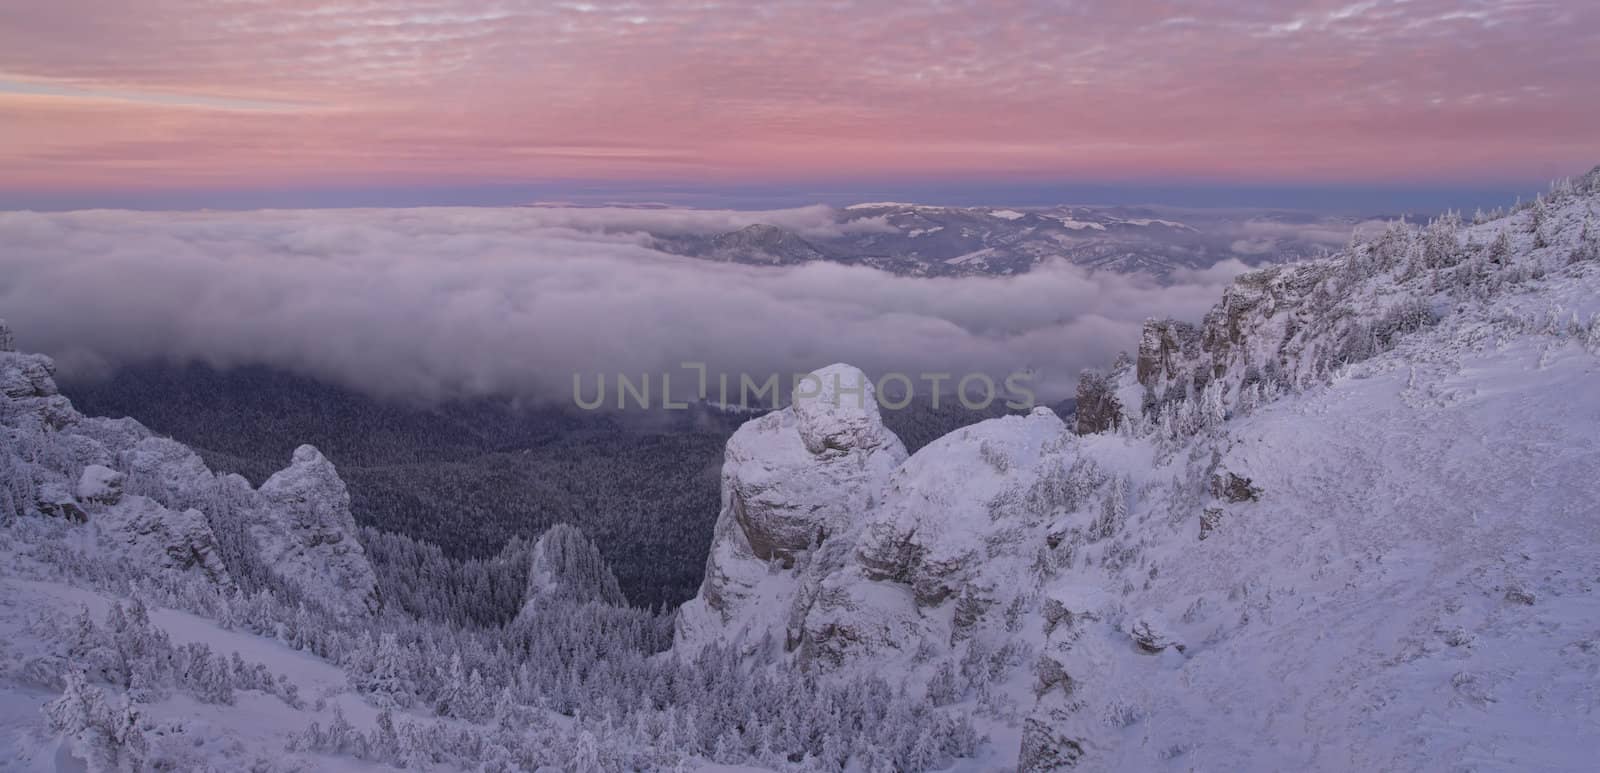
x,y
1068,608
54,501
928,563
1233,488
1162,346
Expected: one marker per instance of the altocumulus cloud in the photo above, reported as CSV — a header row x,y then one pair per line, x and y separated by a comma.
x,y
440,303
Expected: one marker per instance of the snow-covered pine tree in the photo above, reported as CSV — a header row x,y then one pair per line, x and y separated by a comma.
x,y
943,688
106,734
1588,246
586,754
390,679
75,709
1500,249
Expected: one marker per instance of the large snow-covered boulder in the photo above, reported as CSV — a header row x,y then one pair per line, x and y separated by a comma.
x,y
790,480
304,530
101,485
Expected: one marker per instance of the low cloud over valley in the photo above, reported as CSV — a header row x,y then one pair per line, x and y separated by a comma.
x,y
439,303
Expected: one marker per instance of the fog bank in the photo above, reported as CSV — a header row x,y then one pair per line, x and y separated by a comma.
x,y
439,303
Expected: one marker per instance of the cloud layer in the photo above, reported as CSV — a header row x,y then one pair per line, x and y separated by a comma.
x,y
438,303
248,93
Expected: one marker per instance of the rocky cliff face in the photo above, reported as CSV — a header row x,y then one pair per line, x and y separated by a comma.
x,y
152,501
1313,505
791,480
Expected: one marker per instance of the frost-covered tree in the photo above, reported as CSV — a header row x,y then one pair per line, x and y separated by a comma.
x,y
105,734
388,675
1588,246
1500,250
586,757
943,688
1441,242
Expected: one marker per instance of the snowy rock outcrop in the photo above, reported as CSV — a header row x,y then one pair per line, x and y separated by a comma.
x,y
168,471
152,502
55,463
153,536
790,481
932,560
566,565
29,399
303,529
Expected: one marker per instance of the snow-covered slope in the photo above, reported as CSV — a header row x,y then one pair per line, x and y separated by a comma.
x,y
1347,522
232,703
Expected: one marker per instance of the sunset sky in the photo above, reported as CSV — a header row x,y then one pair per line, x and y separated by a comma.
x,y
370,101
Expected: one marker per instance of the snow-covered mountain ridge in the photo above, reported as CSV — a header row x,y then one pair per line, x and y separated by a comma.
x,y
927,240
152,502
1346,522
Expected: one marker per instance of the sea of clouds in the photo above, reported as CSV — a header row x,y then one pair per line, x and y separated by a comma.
x,y
451,302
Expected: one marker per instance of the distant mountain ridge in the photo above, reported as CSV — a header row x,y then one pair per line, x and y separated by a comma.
x,y
931,240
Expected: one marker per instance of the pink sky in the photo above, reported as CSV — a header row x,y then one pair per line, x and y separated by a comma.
x,y
239,94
